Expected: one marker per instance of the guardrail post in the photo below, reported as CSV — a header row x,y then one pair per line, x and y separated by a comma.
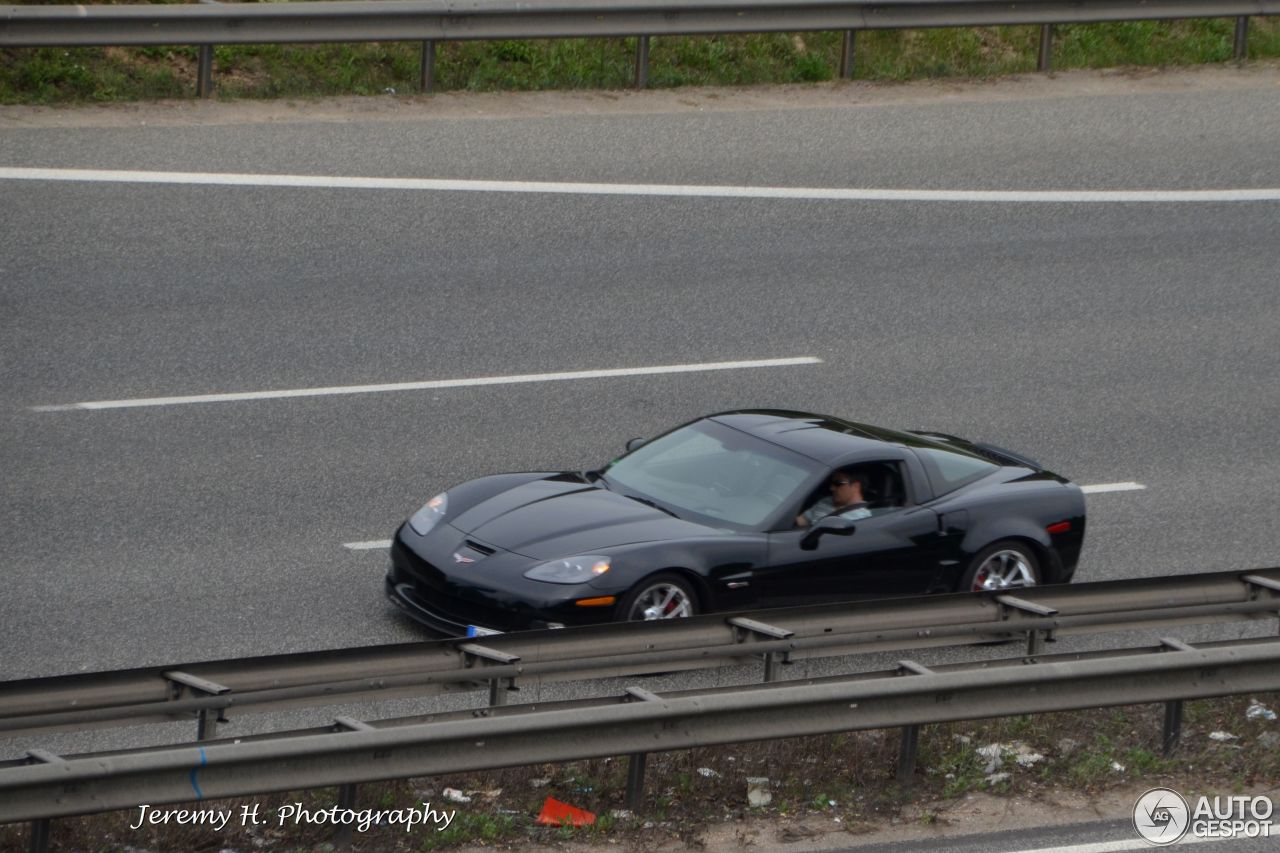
x,y
347,793
1036,637
847,54
1242,37
770,667
42,827
642,62
1045,59
1256,584
346,802
204,72
206,725
473,652
427,72
207,719
1172,734
910,743
1172,726
637,760
635,780
498,691
744,628
40,835
907,751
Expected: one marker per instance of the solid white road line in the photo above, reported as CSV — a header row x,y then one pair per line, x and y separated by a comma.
x,y
1112,487
377,544
1115,846
232,179
438,383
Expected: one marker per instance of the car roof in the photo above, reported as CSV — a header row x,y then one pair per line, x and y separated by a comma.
x,y
823,438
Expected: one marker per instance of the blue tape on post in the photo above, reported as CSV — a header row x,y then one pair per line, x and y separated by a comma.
x,y
195,786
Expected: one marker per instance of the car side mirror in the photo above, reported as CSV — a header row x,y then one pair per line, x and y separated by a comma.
x,y
635,443
833,524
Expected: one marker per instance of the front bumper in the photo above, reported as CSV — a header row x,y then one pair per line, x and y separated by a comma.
x,y
404,596
483,595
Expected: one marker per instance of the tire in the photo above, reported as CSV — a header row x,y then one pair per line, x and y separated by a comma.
x,y
1002,565
662,596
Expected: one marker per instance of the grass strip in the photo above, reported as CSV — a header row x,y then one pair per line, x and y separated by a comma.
x,y
79,75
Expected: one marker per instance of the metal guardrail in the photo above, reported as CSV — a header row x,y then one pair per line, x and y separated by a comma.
x,y
914,696
433,21
212,692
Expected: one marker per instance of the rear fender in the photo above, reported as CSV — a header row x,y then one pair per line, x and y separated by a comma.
x,y
1021,530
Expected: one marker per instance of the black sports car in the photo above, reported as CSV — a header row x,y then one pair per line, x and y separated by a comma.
x,y
709,517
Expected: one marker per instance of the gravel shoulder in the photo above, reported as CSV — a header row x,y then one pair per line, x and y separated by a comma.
x,y
451,105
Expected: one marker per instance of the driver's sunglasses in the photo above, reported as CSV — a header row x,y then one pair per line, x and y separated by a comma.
x,y
835,483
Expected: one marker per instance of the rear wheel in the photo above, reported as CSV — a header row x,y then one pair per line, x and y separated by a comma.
x,y
662,596
1002,565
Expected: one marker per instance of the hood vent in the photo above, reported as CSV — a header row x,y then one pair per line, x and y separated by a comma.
x,y
478,548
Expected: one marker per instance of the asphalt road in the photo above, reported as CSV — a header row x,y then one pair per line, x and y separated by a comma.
x,y
1114,341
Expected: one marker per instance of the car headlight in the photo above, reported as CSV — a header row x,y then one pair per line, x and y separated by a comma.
x,y
429,516
571,570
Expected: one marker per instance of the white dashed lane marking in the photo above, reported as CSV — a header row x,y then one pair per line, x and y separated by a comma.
x,y
432,384
1128,486
376,545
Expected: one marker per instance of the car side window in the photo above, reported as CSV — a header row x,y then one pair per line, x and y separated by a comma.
x,y
883,490
886,490
950,469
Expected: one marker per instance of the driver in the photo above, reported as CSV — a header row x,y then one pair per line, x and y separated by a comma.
x,y
845,499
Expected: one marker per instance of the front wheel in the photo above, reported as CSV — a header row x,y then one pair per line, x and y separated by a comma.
x,y
662,596
1002,565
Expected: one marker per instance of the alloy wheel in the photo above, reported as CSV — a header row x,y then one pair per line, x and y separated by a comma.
x,y
1004,569
662,601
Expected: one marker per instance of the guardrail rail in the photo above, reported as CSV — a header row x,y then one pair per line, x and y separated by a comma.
x,y
913,695
214,691
433,21
42,785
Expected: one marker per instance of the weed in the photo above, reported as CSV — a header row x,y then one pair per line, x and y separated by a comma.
x,y
811,68
1140,761
1090,768
467,827
1019,726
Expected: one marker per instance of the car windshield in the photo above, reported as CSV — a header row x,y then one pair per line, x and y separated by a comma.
x,y
707,469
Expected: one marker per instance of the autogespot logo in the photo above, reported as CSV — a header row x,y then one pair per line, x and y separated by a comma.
x,y
1161,816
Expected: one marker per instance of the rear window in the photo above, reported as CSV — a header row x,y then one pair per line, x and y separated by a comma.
x,y
948,470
